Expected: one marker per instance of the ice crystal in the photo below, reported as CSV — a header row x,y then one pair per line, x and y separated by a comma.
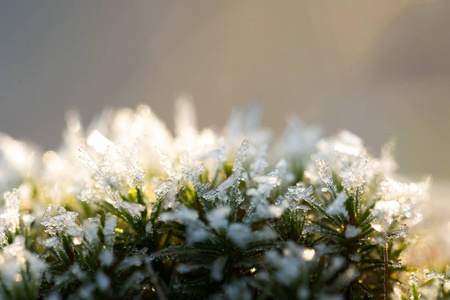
x,y
103,281
134,173
386,164
297,140
355,257
109,230
290,263
148,227
165,186
385,213
353,177
259,162
110,225
51,242
99,142
238,166
398,202
271,179
182,213
17,162
115,170
404,192
402,231
352,231
299,192
134,209
63,223
345,145
3,236
337,207
90,227
183,268
16,260
242,234
11,212
266,183
237,290
325,172
217,268
218,218
434,275
197,232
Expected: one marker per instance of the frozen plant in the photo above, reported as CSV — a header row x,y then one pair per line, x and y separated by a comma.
x,y
127,210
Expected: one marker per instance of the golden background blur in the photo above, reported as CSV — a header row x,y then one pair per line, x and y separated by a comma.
x,y
377,68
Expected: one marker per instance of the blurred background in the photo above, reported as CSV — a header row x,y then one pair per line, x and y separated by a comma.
x,y
377,68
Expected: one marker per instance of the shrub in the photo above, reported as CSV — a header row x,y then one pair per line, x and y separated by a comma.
x,y
131,211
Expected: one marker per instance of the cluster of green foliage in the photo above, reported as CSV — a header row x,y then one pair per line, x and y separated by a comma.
x,y
228,226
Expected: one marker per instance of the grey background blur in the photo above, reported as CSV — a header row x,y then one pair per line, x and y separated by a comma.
x,y
376,68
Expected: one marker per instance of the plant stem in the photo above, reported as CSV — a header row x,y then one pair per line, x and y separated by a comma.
x,y
386,270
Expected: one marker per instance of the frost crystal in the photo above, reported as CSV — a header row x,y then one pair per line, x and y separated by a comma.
x,y
298,140
218,217
134,173
197,232
266,183
299,192
353,177
27,220
109,230
237,290
271,179
103,281
149,227
134,209
115,170
385,213
402,231
99,142
90,227
11,213
51,242
289,265
325,172
345,145
259,162
217,268
162,189
434,275
352,231
182,213
398,203
3,237
242,234
238,166
62,223
106,257
17,161
295,194
110,225
15,260
337,207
